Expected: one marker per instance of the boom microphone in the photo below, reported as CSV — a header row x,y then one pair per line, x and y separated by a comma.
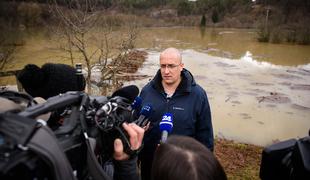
x,y
165,126
129,92
144,114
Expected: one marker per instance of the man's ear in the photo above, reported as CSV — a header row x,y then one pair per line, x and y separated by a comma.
x,y
182,66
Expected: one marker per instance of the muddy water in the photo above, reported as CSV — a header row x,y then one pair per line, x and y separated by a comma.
x,y
259,93
252,102
227,43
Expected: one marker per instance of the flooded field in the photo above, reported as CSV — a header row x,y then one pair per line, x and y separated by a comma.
x,y
258,92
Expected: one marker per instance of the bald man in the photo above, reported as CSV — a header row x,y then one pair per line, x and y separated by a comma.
x,y
174,90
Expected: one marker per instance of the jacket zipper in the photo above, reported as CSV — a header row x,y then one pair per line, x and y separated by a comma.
x,y
168,99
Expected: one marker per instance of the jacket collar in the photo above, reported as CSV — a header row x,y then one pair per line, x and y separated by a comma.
x,y
185,85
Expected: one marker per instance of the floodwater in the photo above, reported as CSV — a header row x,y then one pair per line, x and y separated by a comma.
x,y
258,92
251,102
227,43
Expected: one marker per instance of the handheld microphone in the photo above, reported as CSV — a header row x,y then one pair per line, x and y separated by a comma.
x,y
136,103
134,106
144,114
165,126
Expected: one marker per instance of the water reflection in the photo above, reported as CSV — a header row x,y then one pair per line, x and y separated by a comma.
x,y
229,43
202,31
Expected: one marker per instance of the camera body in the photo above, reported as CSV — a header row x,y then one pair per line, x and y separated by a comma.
x,y
286,160
84,140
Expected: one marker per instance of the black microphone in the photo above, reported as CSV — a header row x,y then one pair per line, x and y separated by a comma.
x,y
165,126
129,92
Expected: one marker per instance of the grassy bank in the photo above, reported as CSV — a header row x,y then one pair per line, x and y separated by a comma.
x,y
240,161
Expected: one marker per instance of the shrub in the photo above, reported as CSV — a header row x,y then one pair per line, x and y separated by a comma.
x,y
203,21
291,36
276,35
215,16
184,8
303,36
263,35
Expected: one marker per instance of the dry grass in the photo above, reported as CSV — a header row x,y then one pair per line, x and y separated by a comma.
x,y
240,161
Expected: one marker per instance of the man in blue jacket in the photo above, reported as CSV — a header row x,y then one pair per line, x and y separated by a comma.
x,y
174,90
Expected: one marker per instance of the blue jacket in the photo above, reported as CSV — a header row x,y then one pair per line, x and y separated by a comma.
x,y
189,106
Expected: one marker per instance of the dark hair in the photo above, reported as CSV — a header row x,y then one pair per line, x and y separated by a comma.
x,y
183,157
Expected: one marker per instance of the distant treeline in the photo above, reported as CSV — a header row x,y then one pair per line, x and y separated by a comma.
x,y
184,7
276,20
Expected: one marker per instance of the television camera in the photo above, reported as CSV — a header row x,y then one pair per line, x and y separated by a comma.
x,y
286,160
76,148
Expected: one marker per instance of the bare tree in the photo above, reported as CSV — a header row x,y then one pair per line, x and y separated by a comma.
x,y
90,39
6,55
114,52
7,49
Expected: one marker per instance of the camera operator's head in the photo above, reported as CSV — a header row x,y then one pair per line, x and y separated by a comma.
x,y
183,157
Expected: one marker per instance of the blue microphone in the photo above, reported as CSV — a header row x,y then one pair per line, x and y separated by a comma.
x,y
144,114
165,126
136,103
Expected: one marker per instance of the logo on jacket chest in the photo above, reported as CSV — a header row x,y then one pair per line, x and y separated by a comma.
x,y
178,108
